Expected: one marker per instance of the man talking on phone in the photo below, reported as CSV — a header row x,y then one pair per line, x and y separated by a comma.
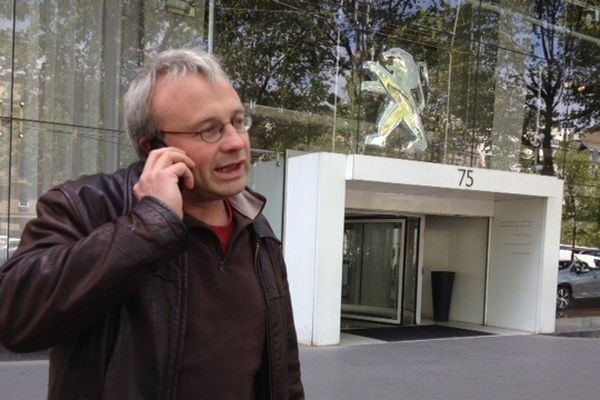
x,y
162,280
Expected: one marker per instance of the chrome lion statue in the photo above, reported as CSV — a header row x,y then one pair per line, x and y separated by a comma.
x,y
402,80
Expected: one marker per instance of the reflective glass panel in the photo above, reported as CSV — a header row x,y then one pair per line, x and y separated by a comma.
x,y
372,269
488,84
6,35
6,29
74,59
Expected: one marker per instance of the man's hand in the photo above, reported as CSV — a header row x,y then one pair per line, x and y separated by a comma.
x,y
165,168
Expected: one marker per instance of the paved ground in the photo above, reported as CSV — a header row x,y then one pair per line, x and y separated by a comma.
x,y
582,308
509,367
23,380
484,368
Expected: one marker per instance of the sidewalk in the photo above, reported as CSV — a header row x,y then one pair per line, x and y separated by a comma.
x,y
484,368
510,367
23,380
581,325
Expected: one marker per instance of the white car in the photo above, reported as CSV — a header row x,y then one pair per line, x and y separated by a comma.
x,y
590,256
565,255
589,259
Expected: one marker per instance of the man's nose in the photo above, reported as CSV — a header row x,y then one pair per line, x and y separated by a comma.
x,y
232,139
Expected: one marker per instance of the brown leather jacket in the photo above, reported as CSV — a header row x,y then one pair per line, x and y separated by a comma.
x,y
100,278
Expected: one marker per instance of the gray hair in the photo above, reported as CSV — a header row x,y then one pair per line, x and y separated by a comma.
x,y
140,120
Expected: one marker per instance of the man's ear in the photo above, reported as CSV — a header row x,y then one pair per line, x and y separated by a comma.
x,y
144,145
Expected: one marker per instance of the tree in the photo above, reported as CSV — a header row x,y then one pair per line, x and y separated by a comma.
x,y
277,58
581,196
290,54
484,61
561,76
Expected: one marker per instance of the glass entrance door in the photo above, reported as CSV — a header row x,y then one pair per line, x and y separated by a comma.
x,y
373,269
411,267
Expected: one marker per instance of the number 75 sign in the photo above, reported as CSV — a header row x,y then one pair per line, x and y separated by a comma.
x,y
466,177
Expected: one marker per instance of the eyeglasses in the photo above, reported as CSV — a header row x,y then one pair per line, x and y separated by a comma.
x,y
215,131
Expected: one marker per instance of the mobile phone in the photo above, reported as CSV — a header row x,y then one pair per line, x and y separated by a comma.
x,y
156,143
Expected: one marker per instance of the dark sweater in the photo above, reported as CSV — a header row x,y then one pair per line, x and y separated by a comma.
x,y
225,335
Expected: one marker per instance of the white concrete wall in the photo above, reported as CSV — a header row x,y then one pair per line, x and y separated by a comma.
x,y
421,204
436,245
313,236
524,236
550,250
515,274
459,180
457,244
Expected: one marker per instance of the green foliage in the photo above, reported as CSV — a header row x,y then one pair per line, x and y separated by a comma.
x,y
581,198
586,233
283,55
275,55
484,73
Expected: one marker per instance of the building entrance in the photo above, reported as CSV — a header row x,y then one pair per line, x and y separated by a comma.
x,y
379,275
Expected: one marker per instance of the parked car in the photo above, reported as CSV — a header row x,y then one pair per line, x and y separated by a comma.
x,y
562,264
592,254
589,259
578,281
565,254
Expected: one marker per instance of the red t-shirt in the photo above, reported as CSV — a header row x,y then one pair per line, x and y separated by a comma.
x,y
225,232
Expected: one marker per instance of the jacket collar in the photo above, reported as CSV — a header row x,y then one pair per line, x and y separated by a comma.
x,y
248,203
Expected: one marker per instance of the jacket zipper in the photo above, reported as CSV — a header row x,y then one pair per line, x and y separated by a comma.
x,y
268,331
180,330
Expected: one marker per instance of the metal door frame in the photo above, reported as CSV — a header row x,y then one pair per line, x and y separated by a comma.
x,y
401,273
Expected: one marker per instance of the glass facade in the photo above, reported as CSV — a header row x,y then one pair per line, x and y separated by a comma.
x,y
64,66
503,81
497,84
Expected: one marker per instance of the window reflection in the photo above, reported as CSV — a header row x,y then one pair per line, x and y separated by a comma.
x,y
72,62
487,107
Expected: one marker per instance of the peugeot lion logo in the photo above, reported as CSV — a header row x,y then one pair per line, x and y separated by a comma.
x,y
402,80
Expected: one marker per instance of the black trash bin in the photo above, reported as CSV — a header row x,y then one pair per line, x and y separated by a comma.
x,y
442,283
